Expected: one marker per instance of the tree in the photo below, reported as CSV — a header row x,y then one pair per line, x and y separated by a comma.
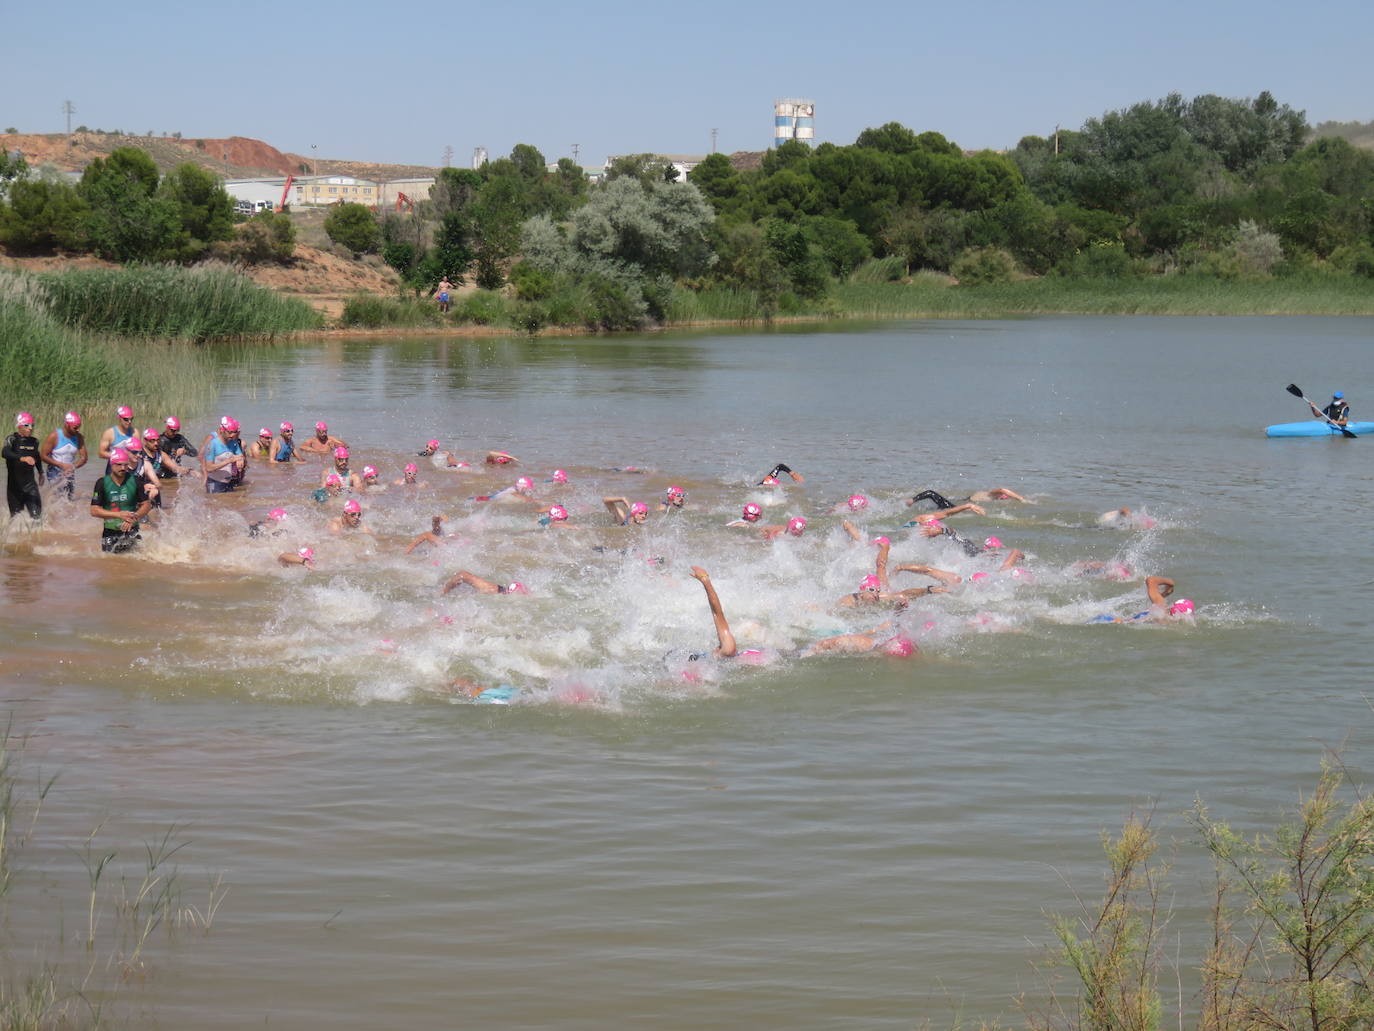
x,y
266,237
717,180
354,227
11,168
205,210
892,138
128,220
495,217
43,216
529,162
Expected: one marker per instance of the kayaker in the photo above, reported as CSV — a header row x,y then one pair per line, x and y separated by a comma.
x,y
1338,411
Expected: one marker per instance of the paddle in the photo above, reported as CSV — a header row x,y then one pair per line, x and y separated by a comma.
x,y
1296,391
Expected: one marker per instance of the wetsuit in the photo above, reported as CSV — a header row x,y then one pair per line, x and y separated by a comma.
x,y
170,442
970,547
929,495
150,469
22,491
67,449
121,497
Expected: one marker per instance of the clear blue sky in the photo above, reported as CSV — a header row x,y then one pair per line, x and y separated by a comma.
x,y
373,82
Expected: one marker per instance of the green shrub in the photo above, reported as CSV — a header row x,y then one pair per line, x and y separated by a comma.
x,y
354,227
1357,259
879,270
1103,260
482,308
976,266
375,311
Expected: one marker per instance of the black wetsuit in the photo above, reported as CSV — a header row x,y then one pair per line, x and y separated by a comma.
x,y
22,490
169,444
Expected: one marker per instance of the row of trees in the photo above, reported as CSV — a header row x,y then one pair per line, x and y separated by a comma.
x,y
123,209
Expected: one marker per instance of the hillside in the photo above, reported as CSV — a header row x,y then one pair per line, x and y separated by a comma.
x,y
238,157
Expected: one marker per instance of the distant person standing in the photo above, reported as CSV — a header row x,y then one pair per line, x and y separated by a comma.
x,y
1337,411
443,294
64,451
22,462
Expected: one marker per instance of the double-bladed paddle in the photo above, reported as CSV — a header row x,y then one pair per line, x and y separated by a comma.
x,y
1296,391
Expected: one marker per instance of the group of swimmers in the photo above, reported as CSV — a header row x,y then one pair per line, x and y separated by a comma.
x,y
138,464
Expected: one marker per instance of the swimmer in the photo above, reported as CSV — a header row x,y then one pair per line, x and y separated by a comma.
x,y
121,500
935,528
624,512
673,497
1104,570
952,579
173,442
261,447
434,536
221,458
1159,589
273,525
853,503
558,476
333,487
371,483
725,640
299,557
1124,518
152,460
995,494
322,443
749,515
794,527
874,589
443,459
953,510
556,516
121,434
351,480
147,465
880,639
351,521
410,477
501,458
284,447
64,452
463,577
25,466
772,478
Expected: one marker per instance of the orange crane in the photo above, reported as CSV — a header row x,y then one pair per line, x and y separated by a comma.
x,y
401,198
284,191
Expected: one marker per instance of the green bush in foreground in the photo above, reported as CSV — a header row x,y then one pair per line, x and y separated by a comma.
x,y
207,302
373,311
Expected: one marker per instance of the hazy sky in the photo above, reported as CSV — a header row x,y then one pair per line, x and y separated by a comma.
x,y
373,82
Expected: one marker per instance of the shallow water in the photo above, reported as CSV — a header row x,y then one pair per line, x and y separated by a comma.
x,y
645,841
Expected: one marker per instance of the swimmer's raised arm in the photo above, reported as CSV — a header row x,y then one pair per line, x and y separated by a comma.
x,y
782,467
1014,556
884,546
436,529
943,575
1158,588
853,532
726,639
618,507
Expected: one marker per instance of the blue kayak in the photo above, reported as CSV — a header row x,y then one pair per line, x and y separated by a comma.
x,y
1316,428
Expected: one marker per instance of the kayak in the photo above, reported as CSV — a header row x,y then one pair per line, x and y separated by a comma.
x,y
1316,428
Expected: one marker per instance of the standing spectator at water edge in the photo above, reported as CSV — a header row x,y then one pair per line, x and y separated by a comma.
x,y
121,501
64,451
174,443
121,434
221,458
442,295
322,443
22,463
1337,411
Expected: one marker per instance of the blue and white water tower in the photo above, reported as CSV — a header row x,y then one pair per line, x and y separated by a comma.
x,y
794,120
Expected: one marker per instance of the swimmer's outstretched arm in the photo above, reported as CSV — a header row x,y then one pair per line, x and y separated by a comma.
x,y
1006,494
436,527
782,467
943,575
618,507
475,582
968,506
290,558
501,458
1014,556
1158,588
853,531
723,635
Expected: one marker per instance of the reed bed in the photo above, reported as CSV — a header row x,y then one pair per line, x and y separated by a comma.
x,y
375,311
205,302
715,304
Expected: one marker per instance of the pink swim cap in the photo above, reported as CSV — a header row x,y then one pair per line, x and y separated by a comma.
x,y
23,419
992,544
368,472
639,508
769,481
516,587
229,424
322,426
560,476
431,444
411,467
880,541
935,523
277,513
1182,607
73,420
173,423
286,427
120,455
857,501
900,647
124,412
265,432
751,512
796,525
870,583
978,578
524,483
1022,574
675,492
151,434
333,480
352,507
341,452
306,553
557,513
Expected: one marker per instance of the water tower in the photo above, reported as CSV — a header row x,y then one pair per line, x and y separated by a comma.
x,y
794,120
479,156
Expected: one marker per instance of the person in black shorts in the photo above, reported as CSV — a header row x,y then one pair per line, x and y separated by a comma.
x,y
23,463
121,500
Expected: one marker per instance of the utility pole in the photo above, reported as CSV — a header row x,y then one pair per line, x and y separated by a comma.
x,y
68,109
448,155
1056,141
713,140
575,148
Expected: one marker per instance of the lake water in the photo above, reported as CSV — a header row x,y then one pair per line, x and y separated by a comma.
x,y
642,841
